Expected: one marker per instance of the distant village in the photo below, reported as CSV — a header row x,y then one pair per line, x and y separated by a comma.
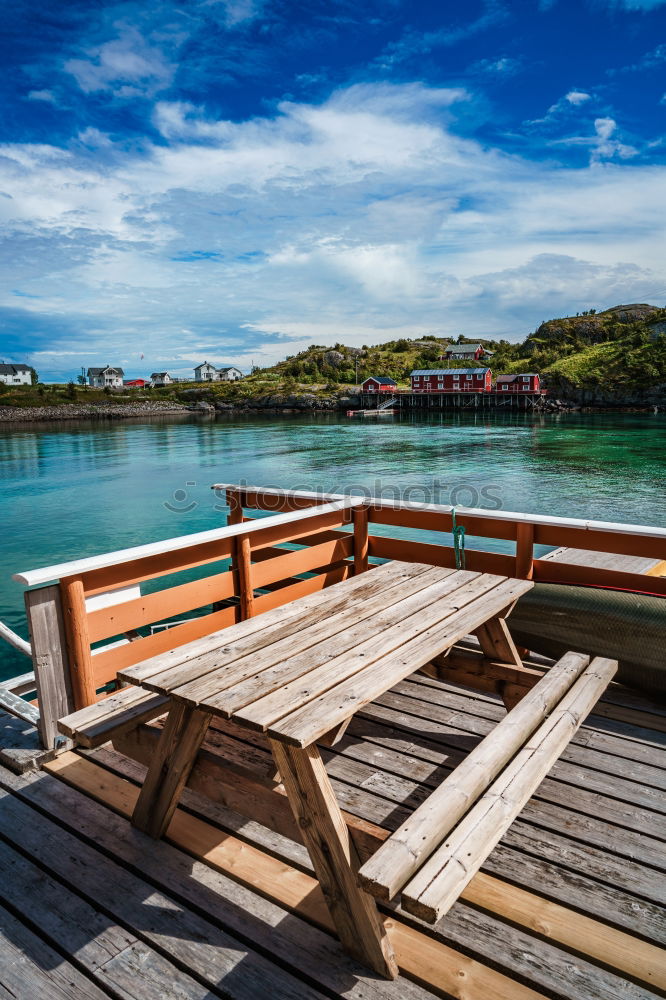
x,y
476,380
113,377
423,380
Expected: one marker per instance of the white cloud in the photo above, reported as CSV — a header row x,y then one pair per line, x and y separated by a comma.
x,y
128,66
42,95
577,97
341,221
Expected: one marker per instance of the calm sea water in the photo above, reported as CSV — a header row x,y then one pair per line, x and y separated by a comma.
x,y
76,490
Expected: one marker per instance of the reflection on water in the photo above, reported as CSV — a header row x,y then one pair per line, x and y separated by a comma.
x,y
81,488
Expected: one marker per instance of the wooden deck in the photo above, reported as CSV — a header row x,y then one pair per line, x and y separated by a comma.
x,y
569,905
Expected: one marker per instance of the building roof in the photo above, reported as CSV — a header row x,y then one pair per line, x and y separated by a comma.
x,y
161,374
13,369
449,371
231,368
93,372
465,348
381,379
204,364
512,378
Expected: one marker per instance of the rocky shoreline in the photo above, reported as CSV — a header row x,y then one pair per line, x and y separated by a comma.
x,y
91,411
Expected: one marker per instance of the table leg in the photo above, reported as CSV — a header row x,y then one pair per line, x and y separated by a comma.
x,y
496,642
334,857
170,768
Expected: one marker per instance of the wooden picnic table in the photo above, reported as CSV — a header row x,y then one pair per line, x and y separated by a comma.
x,y
299,674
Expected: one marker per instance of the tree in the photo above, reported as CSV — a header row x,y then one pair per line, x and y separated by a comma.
x,y
34,377
81,379
71,390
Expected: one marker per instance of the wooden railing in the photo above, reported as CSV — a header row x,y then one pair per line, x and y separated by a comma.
x,y
98,598
327,537
525,531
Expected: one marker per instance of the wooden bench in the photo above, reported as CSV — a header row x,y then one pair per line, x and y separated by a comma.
x,y
113,716
436,852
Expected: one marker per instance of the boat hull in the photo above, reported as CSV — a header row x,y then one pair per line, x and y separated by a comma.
x,y
627,627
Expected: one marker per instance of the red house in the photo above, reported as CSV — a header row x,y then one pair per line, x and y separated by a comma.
x,y
136,383
375,384
518,383
467,352
451,380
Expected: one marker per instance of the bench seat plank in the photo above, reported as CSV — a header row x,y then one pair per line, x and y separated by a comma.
x,y
439,882
410,846
95,724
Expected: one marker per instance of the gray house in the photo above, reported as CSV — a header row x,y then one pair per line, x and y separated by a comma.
x,y
161,378
101,377
15,374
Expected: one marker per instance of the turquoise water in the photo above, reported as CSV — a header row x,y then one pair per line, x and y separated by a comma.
x,y
76,490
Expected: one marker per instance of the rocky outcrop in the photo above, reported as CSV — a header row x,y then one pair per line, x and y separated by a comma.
x,y
303,402
633,397
590,329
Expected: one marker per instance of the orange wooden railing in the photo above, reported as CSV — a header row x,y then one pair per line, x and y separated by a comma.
x,y
258,563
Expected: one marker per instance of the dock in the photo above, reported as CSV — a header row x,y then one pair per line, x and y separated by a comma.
x,y
568,905
379,412
428,401
229,903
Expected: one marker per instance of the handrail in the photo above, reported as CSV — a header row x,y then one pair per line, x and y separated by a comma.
x,y
643,530
47,574
14,640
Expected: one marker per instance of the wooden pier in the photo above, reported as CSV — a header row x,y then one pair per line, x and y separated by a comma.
x,y
475,401
569,905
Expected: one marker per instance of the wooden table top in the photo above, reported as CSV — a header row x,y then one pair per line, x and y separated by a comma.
x,y
299,671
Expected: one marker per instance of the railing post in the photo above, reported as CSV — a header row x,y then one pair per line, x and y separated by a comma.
x,y
235,504
50,662
524,550
78,641
360,518
243,567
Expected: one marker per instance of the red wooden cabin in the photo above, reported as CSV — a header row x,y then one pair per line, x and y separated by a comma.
x,y
378,384
451,380
518,383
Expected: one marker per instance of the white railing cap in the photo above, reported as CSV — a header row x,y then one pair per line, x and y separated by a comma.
x,y
48,574
581,524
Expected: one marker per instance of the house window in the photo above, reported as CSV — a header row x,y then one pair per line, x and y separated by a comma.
x,y
468,378
526,378
479,376
504,388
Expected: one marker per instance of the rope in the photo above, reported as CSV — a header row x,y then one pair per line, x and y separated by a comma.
x,y
458,540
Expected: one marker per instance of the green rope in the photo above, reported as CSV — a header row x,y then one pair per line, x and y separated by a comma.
x,y
458,540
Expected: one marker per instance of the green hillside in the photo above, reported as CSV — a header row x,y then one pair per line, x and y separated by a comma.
x,y
619,349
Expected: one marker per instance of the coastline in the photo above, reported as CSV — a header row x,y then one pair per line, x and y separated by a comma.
x,y
292,405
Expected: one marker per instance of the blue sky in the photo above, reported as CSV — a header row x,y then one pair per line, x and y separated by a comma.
x,y
233,179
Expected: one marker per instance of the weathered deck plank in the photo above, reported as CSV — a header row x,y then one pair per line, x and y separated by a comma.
x,y
170,910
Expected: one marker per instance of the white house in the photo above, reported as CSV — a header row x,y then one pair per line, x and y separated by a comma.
x,y
229,374
205,372
209,373
161,378
101,377
15,374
